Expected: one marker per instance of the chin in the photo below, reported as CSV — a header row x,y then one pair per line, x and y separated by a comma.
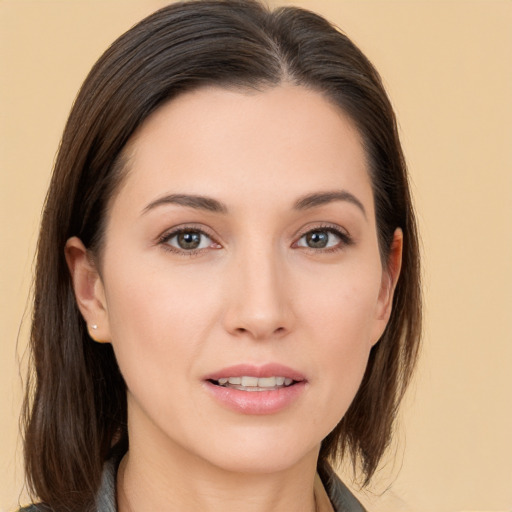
x,y
260,455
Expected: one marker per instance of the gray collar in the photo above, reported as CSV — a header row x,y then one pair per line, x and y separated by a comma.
x,y
106,497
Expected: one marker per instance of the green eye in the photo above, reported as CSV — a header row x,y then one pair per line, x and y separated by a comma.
x,y
317,239
321,239
189,240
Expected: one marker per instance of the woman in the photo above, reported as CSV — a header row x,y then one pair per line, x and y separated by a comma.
x,y
227,285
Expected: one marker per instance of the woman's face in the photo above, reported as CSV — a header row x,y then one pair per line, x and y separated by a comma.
x,y
241,283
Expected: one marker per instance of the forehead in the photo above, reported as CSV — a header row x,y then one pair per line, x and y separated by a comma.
x,y
266,145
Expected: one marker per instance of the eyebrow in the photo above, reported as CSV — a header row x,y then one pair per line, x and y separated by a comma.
x,y
191,201
213,205
321,198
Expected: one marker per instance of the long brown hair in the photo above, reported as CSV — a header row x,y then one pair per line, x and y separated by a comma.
x,y
75,406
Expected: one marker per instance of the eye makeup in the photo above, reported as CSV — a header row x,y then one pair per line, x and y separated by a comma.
x,y
192,240
324,238
188,241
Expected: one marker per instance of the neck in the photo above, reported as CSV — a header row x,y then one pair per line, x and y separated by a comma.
x,y
161,476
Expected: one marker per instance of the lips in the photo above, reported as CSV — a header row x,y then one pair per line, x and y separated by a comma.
x,y
267,370
252,389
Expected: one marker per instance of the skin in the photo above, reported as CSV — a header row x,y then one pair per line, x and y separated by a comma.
x,y
255,292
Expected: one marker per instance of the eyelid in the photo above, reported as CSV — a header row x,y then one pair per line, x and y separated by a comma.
x,y
184,228
343,234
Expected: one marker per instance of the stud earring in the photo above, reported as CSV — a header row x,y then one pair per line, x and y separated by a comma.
x,y
94,328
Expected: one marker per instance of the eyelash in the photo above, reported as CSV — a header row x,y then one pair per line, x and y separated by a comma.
x,y
345,240
166,237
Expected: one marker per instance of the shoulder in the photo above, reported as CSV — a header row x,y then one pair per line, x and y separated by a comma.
x,y
341,498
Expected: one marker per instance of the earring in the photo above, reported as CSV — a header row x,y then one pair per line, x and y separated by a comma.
x,y
94,327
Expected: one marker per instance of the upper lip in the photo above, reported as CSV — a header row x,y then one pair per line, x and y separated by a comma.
x,y
266,370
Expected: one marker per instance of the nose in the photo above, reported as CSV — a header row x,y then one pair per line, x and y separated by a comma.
x,y
258,297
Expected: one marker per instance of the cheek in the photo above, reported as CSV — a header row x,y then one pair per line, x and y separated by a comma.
x,y
340,317
343,304
157,320
344,342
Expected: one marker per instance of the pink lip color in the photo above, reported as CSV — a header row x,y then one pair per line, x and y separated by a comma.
x,y
266,370
256,402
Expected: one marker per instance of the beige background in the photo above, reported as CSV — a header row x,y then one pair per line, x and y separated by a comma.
x,y
448,68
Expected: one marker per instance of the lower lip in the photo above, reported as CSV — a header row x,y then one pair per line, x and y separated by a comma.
x,y
256,402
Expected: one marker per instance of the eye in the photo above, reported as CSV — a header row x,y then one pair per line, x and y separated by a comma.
x,y
188,240
323,238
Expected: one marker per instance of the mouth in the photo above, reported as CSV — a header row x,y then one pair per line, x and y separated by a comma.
x,y
255,390
251,383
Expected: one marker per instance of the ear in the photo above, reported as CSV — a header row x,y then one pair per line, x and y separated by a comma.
x,y
89,290
390,276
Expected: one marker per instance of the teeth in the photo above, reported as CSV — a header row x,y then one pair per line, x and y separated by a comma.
x,y
267,382
250,383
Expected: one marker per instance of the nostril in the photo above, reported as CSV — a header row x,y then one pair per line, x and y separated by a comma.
x,y
263,334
